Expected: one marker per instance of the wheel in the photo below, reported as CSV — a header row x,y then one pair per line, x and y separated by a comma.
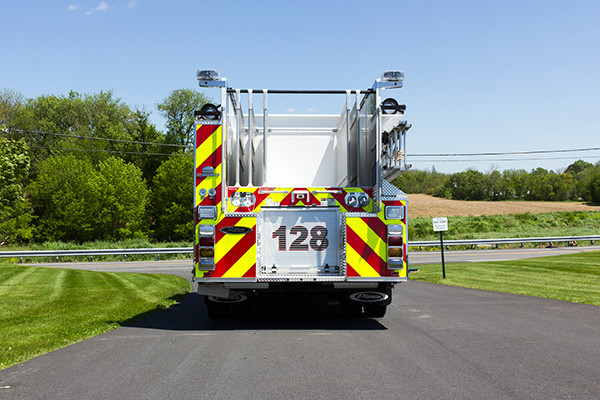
x,y
217,310
350,308
375,311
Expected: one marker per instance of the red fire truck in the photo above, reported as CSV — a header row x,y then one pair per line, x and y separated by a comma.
x,y
293,203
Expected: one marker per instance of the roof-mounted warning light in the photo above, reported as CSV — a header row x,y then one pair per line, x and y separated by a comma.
x,y
207,75
393,76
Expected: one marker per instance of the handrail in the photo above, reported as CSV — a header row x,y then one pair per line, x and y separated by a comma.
x,y
189,250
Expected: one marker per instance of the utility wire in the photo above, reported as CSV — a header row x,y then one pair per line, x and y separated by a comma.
x,y
499,159
114,151
503,154
97,138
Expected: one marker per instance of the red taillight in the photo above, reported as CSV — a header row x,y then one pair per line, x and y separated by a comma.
x,y
395,241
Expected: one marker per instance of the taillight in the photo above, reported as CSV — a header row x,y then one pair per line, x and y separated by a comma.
x,y
395,247
206,247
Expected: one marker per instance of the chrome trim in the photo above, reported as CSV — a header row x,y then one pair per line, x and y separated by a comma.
x,y
241,214
267,191
379,279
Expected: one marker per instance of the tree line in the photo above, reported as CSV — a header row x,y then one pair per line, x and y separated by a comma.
x,y
84,167
89,167
580,181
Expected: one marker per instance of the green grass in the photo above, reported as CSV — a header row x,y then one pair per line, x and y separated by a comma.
x,y
43,309
563,223
574,278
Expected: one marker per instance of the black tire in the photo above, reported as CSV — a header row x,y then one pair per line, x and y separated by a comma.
x,y
217,310
350,308
375,311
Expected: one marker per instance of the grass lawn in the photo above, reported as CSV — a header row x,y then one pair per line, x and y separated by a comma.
x,y
43,309
574,278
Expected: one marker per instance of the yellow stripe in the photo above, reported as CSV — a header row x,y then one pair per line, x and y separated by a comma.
x,y
243,264
357,263
208,147
360,227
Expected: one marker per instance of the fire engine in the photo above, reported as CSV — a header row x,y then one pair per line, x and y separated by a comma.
x,y
299,203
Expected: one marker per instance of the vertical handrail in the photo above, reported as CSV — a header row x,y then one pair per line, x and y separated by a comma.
x,y
348,171
357,138
251,128
224,148
265,131
378,148
240,126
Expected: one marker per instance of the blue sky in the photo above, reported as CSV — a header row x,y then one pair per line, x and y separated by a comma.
x,y
481,76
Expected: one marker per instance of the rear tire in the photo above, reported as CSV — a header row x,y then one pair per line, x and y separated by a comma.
x,y
349,308
217,310
375,311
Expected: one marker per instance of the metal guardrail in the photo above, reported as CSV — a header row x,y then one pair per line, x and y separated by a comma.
x,y
483,242
94,252
189,250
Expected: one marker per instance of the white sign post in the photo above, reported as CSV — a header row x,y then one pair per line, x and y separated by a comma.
x,y
440,225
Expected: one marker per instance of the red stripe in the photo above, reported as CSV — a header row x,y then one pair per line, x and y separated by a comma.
x,y
365,251
204,132
251,272
229,259
378,226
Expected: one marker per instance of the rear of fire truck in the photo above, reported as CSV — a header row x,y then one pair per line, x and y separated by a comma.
x,y
299,203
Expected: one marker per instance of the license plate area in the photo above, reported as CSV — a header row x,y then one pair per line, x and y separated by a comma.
x,y
300,244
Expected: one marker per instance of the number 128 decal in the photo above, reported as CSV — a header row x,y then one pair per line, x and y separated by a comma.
x,y
318,238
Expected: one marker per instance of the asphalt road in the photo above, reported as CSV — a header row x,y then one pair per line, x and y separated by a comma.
x,y
435,342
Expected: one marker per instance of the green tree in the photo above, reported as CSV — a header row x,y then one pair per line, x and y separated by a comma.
x,y
65,199
172,199
468,185
178,109
123,197
76,202
15,210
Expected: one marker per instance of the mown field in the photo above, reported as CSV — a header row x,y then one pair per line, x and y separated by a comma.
x,y
574,278
43,309
501,219
422,205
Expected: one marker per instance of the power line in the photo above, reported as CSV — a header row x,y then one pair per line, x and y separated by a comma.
x,y
97,138
114,151
500,159
503,154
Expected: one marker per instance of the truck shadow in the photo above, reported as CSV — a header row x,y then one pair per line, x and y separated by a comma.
x,y
190,314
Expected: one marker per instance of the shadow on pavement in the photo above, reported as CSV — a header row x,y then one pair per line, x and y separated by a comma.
x,y
289,313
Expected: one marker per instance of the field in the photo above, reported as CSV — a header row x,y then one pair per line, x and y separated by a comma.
x,y
422,205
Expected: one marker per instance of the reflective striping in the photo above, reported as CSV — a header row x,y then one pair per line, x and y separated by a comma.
x,y
376,240
374,253
243,264
208,153
283,197
235,255
359,264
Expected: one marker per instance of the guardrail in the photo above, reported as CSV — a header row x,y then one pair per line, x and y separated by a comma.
x,y
482,242
188,250
94,252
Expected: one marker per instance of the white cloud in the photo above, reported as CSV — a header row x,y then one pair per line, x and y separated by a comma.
x,y
102,6
131,3
72,7
291,109
311,109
